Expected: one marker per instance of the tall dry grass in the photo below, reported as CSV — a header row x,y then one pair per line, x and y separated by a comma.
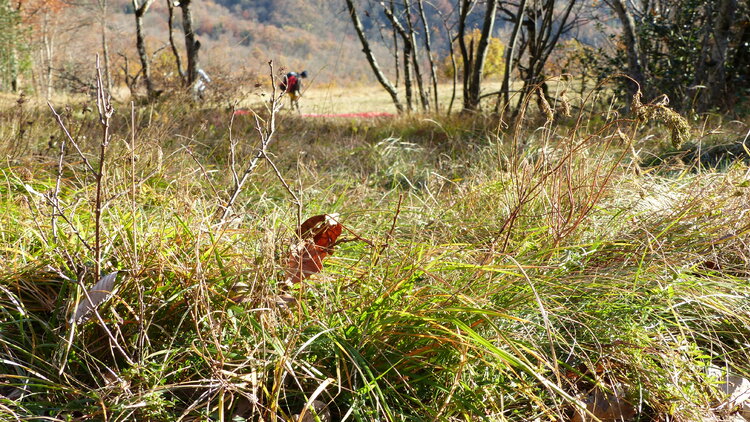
x,y
491,272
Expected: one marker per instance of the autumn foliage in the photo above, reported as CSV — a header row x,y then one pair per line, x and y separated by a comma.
x,y
315,240
34,11
494,63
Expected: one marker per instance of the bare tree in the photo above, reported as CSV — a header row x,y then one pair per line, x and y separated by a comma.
x,y
474,56
49,35
384,81
472,102
406,19
407,75
428,48
130,81
541,31
141,10
510,55
632,47
91,14
452,55
409,50
395,54
424,97
716,48
191,44
172,44
464,9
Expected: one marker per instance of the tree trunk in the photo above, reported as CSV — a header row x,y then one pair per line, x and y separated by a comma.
x,y
141,44
544,28
396,62
472,101
410,55
424,97
740,60
178,60
717,80
452,52
407,75
191,44
632,46
371,58
430,58
463,13
529,43
509,56
14,67
701,61
549,42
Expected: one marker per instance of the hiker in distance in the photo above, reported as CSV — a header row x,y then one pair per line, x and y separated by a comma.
x,y
292,85
201,82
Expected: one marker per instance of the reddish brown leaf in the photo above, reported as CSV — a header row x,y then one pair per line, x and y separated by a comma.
x,y
606,406
316,237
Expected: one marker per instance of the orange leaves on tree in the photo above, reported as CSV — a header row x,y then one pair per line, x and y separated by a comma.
x,y
53,5
315,240
35,12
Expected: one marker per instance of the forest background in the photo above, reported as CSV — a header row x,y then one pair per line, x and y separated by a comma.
x,y
694,51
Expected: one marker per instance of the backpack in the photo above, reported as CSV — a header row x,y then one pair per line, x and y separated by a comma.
x,y
289,84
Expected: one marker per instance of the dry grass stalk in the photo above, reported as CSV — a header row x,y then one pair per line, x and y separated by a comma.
x,y
678,125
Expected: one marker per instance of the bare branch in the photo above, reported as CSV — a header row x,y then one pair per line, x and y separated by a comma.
x,y
266,133
70,138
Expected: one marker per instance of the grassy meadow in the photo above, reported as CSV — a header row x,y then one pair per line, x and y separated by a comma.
x,y
579,268
334,99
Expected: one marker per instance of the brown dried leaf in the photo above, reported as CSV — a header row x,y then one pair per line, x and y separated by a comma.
x,y
606,406
316,237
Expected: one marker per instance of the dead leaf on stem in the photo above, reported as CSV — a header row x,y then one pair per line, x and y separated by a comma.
x,y
315,240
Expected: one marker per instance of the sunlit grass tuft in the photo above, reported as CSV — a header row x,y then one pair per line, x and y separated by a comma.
x,y
487,273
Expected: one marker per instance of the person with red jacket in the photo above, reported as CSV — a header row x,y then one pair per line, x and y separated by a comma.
x,y
292,85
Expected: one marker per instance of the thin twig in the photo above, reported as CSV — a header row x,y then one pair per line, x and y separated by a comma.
x,y
133,185
104,325
134,225
265,138
286,185
60,213
55,198
233,152
389,236
203,169
105,113
70,138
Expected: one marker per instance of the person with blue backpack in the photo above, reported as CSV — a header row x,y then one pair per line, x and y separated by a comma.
x,y
292,85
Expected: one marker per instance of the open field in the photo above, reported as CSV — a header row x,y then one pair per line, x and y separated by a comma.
x,y
373,98
323,99
533,272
